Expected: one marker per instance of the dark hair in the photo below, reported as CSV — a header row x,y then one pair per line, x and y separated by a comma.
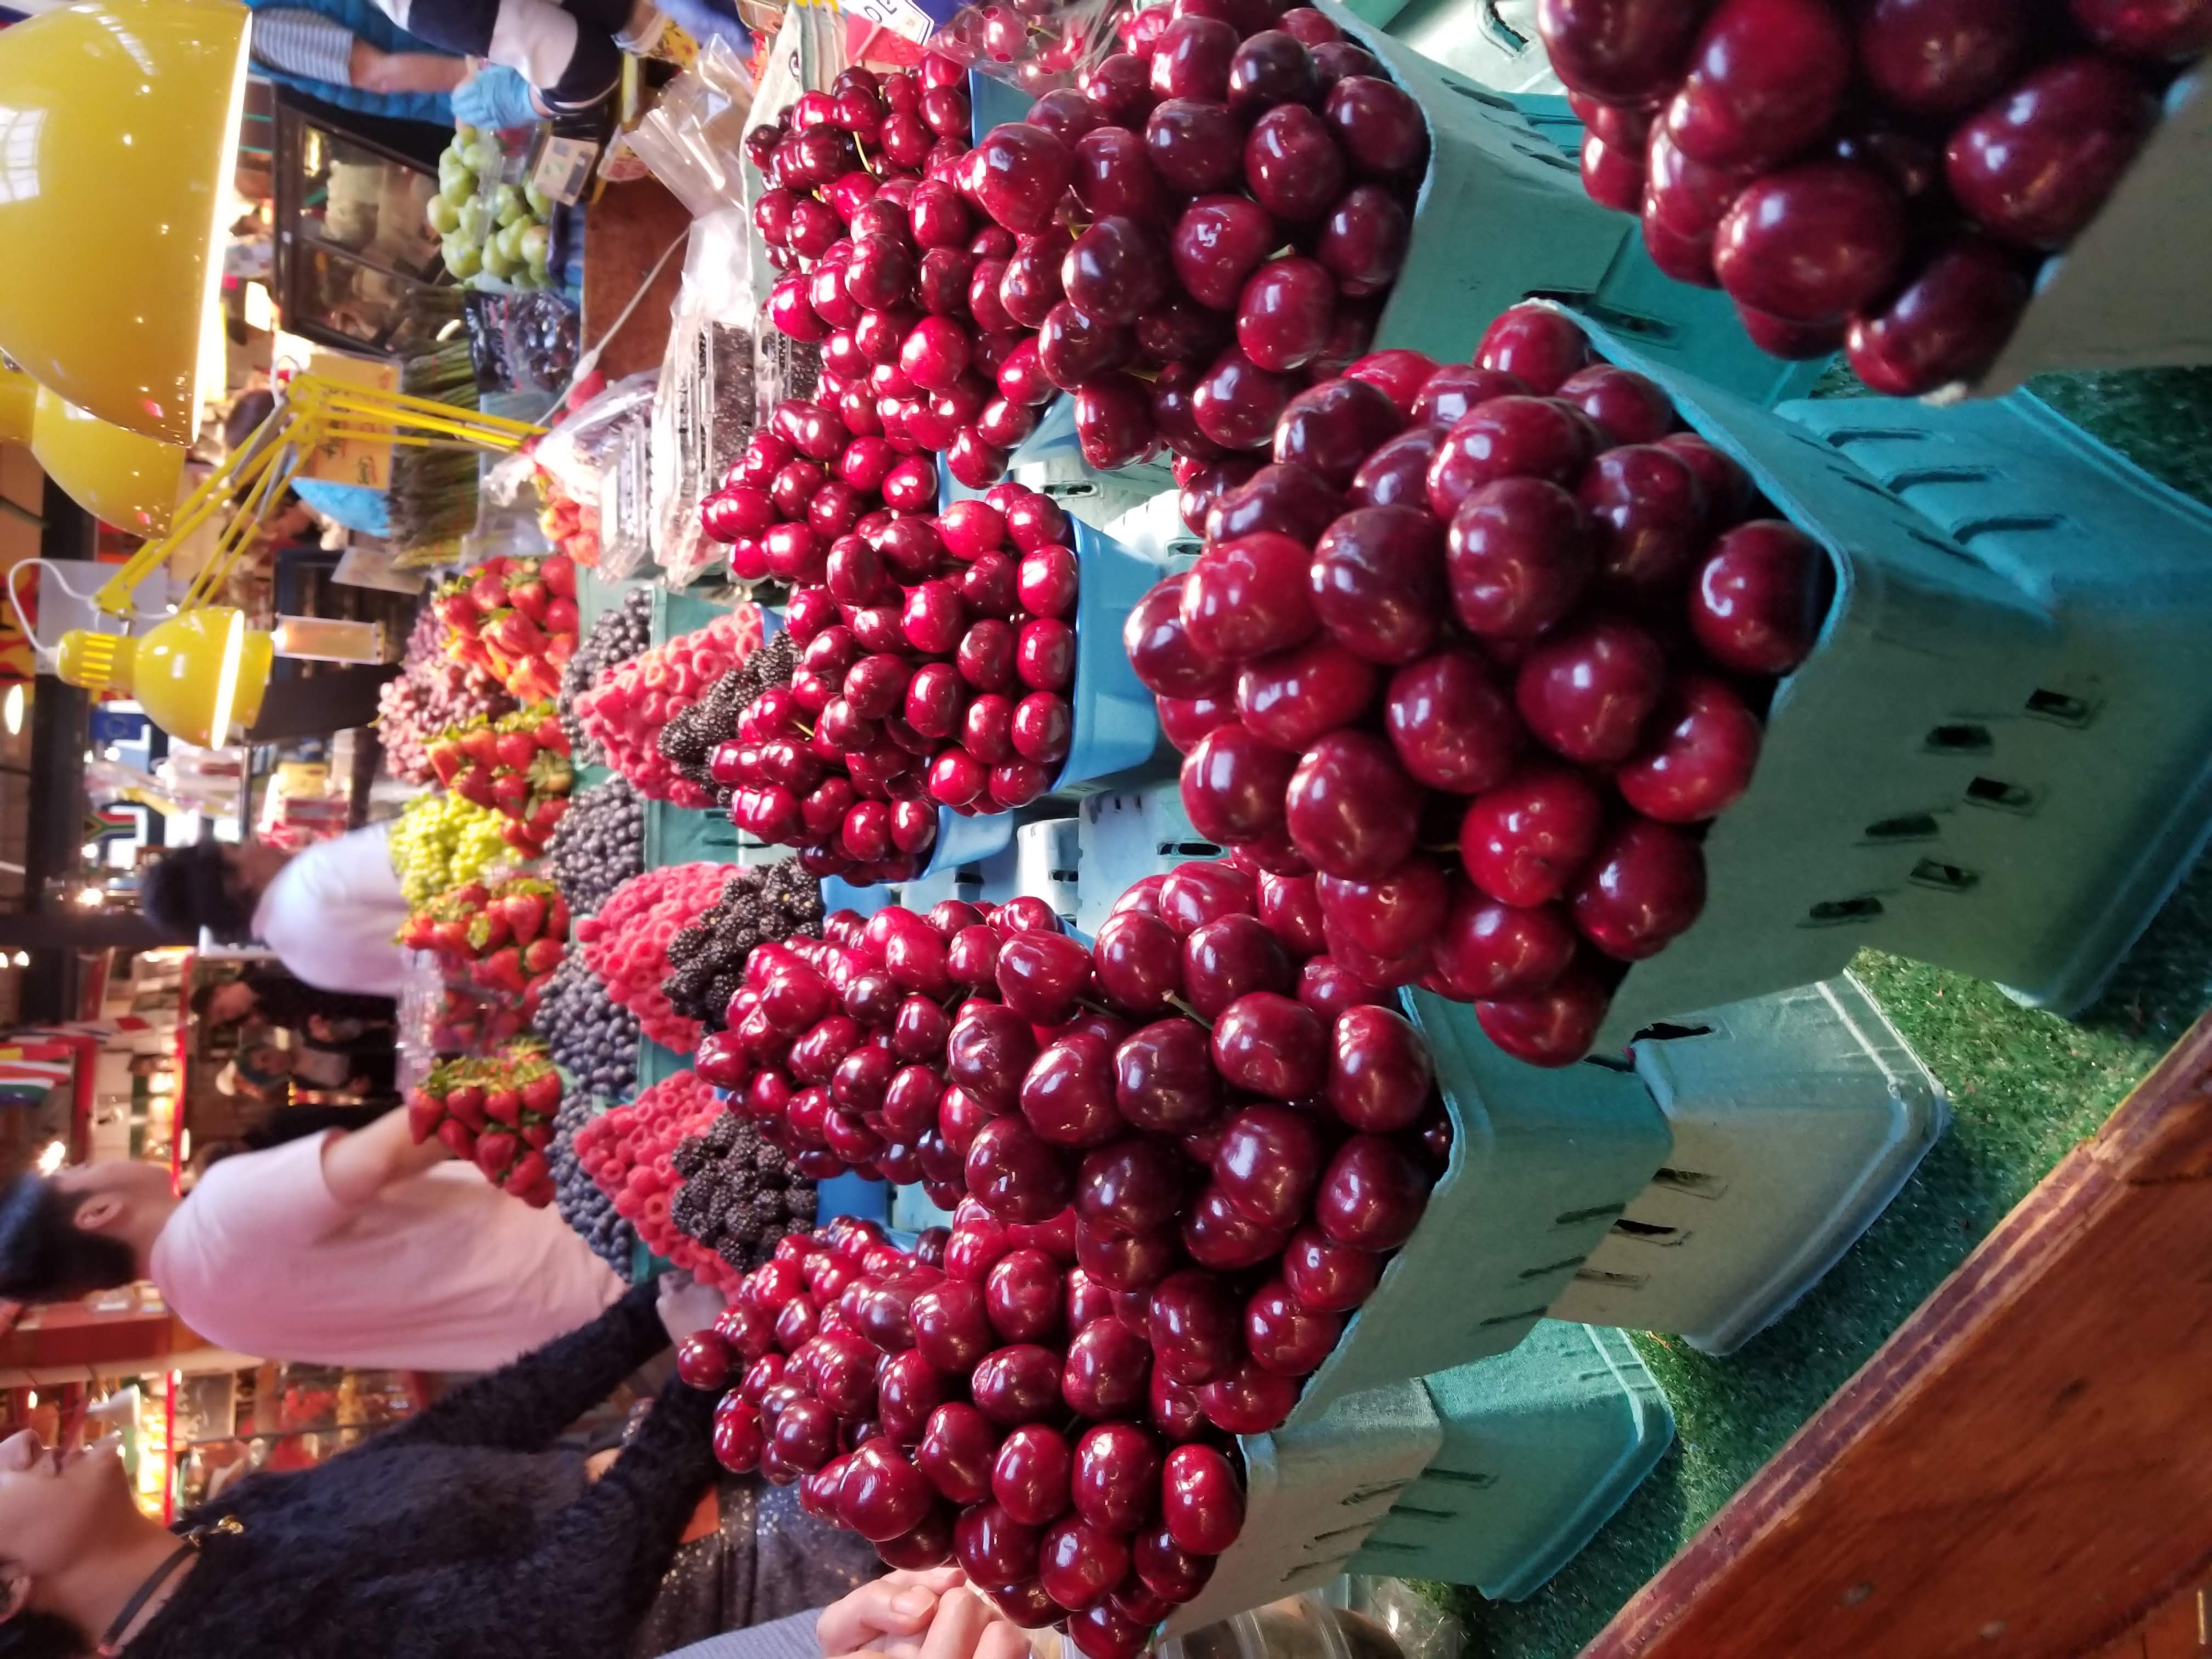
x,y
45,1256
33,1634
245,417
192,888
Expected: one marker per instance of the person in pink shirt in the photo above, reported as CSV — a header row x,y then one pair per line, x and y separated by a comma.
x,y
361,1249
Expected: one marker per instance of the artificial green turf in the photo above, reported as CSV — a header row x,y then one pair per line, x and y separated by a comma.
x,y
2024,1085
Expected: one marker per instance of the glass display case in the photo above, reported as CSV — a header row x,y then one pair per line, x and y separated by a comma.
x,y
353,246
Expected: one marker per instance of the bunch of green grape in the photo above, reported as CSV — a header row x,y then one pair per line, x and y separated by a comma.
x,y
441,841
494,235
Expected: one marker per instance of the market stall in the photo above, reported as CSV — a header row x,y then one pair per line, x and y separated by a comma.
x,y
1323,791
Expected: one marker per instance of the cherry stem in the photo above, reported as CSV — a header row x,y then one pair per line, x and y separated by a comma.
x,y
1188,1011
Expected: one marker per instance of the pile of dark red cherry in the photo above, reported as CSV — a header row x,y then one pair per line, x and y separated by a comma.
x,y
1177,1163
1209,221
936,651
1484,650
1882,177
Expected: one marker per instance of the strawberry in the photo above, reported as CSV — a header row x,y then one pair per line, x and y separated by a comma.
x,y
487,592
465,1101
557,917
542,956
446,760
457,611
516,749
474,786
502,970
419,933
526,914
425,1112
530,598
481,743
495,1150
488,931
511,791
504,1106
560,616
542,1093
527,1173
461,1140
559,572
515,634
550,736
538,1135
451,939
547,813
470,896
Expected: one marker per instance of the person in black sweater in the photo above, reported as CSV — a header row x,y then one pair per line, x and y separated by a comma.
x,y
448,1535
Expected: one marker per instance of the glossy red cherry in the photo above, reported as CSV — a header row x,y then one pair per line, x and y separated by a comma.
x,y
1523,842
1252,1399
1079,1563
1623,52
1372,1195
1233,783
1554,1028
1236,403
1185,721
1285,314
1016,1173
1645,885
952,1326
1811,244
1647,509
1766,77
1486,950
1509,438
1454,726
1195,146
1138,961
1164,1079
1536,345
1286,1337
1940,56
883,1495
1269,1045
1201,1500
1946,325
2159,31
2034,166
1116,1486
1226,958
1294,697
1588,694
1380,1074
1021,173
1331,428
1068,1095
1376,581
1290,499
1701,748
995,1550
1161,651
1759,599
1267,1163
1029,1475
1397,474
1324,1277
1521,556
1249,599
1019,1384
1351,809
738,1438
1216,243
1293,166
1380,126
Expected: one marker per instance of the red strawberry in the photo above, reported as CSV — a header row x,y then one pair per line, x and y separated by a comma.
x,y
559,572
530,598
420,933
510,790
451,939
480,744
488,931
547,814
495,1151
526,914
446,760
516,634
504,1106
515,749
557,917
457,611
474,786
487,592
551,736
461,1140
502,971
560,616
529,1171
425,1112
465,1101
538,1134
542,956
542,1093
470,896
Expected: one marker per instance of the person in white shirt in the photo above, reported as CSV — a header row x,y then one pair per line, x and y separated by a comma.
x,y
330,913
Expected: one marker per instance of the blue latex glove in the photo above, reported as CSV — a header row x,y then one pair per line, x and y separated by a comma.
x,y
495,97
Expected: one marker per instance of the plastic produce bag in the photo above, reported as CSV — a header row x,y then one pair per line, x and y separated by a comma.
x,y
1033,44
694,138
705,409
599,455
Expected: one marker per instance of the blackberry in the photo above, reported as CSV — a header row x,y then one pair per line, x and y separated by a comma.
x,y
691,1209
801,1203
723,1134
690,1156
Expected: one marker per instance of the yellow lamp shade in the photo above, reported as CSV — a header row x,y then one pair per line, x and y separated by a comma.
x,y
19,394
116,476
117,124
197,675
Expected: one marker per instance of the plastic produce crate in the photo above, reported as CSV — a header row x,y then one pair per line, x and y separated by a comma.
x,y
1502,216
1541,1447
1123,835
1796,1117
1046,854
1542,1164
1989,761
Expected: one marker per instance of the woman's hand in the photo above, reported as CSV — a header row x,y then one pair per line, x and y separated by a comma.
x,y
686,1306
918,1615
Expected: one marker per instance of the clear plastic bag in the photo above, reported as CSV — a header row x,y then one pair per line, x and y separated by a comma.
x,y
694,138
705,409
599,456
1033,44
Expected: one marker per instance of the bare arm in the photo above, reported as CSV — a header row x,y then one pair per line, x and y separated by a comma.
x,y
405,72
356,1167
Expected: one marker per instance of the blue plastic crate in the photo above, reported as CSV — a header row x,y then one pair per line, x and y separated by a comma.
x,y
1541,1447
1502,216
1542,1164
1989,761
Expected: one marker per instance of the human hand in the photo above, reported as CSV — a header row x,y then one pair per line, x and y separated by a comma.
x,y
495,97
318,1027
686,1306
919,1615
